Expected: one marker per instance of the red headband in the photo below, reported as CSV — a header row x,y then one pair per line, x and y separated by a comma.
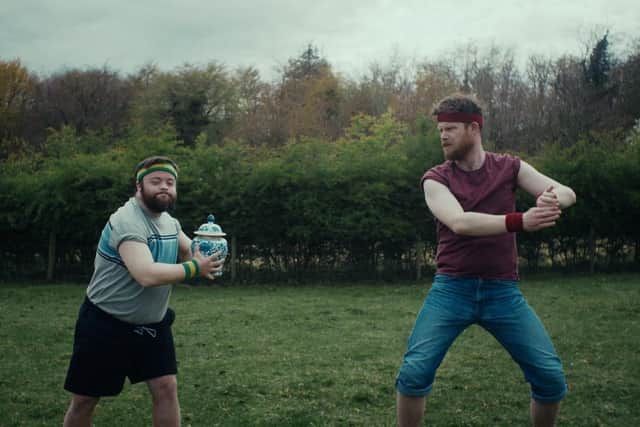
x,y
460,118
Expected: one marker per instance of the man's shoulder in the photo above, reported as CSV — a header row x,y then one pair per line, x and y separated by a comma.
x,y
504,161
446,165
502,157
128,218
438,172
128,211
440,169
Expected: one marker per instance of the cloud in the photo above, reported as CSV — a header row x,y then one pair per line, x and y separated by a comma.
x,y
50,35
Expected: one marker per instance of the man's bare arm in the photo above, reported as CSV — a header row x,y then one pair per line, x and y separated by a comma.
x,y
544,188
148,273
448,210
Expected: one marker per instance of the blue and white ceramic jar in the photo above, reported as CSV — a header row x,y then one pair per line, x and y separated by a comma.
x,y
210,239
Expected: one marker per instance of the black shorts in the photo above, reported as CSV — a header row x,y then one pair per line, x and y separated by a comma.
x,y
107,350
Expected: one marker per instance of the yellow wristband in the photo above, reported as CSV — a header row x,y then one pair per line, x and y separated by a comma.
x,y
191,269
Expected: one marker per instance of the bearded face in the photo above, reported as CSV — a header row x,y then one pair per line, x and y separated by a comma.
x,y
456,140
158,191
460,150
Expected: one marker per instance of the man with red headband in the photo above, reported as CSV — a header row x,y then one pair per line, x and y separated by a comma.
x,y
472,196
124,324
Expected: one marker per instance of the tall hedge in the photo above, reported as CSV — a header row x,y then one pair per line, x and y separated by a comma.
x,y
311,209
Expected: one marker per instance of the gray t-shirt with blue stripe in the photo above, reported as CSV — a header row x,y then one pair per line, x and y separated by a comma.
x,y
112,288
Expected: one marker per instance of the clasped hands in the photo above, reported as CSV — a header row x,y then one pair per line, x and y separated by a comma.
x,y
545,214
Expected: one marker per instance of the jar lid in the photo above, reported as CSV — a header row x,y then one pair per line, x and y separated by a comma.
x,y
210,228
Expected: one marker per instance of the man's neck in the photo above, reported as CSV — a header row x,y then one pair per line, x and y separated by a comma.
x,y
473,160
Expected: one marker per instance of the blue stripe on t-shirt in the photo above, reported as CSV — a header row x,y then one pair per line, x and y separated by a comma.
x,y
106,251
164,248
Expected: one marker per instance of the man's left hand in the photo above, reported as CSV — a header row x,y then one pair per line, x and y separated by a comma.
x,y
548,199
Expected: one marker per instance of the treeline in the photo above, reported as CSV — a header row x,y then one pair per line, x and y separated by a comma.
x,y
313,176
548,99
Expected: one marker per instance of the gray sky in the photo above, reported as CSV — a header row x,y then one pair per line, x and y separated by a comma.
x,y
52,35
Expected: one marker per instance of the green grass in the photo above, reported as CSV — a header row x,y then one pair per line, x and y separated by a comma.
x,y
328,356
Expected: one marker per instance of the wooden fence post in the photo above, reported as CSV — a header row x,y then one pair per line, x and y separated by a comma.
x,y
51,260
419,256
592,249
234,244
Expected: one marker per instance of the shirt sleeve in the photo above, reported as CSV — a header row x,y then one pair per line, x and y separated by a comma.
x,y
122,231
515,167
435,174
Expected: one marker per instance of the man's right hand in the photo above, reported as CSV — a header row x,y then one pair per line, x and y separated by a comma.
x,y
538,218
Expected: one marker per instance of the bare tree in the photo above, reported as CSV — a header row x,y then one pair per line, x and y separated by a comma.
x,y
93,99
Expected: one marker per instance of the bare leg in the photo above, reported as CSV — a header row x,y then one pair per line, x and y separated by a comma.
x,y
544,414
410,410
80,411
166,408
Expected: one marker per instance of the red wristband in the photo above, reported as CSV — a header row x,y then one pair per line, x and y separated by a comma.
x,y
514,222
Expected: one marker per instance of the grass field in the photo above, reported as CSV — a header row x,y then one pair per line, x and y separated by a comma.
x,y
328,356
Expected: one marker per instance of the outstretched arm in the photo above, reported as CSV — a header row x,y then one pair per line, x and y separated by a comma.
x,y
448,210
148,273
547,191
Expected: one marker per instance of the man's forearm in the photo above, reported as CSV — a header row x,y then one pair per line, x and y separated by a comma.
x,y
478,224
160,274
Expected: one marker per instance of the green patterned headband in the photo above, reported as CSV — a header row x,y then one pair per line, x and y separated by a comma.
x,y
164,167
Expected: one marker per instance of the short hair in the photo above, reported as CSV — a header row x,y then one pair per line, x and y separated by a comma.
x,y
150,161
458,103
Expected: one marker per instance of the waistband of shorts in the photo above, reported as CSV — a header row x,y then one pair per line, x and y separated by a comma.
x,y
167,320
110,318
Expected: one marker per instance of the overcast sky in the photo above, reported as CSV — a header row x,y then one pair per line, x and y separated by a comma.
x,y
50,35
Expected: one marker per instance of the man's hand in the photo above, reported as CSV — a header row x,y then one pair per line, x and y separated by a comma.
x,y
540,217
208,264
548,198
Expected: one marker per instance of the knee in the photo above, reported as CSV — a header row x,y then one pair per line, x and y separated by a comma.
x,y
164,389
82,406
549,385
415,378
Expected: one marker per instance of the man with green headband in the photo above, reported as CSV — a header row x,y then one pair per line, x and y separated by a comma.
x,y
124,325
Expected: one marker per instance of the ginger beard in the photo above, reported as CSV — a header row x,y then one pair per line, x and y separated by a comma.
x,y
157,201
458,150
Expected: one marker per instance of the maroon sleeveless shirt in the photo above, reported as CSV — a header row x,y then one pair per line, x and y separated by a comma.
x,y
492,190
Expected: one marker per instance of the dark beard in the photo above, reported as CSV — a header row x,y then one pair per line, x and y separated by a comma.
x,y
156,204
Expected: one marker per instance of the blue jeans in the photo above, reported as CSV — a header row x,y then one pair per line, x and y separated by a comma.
x,y
452,305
